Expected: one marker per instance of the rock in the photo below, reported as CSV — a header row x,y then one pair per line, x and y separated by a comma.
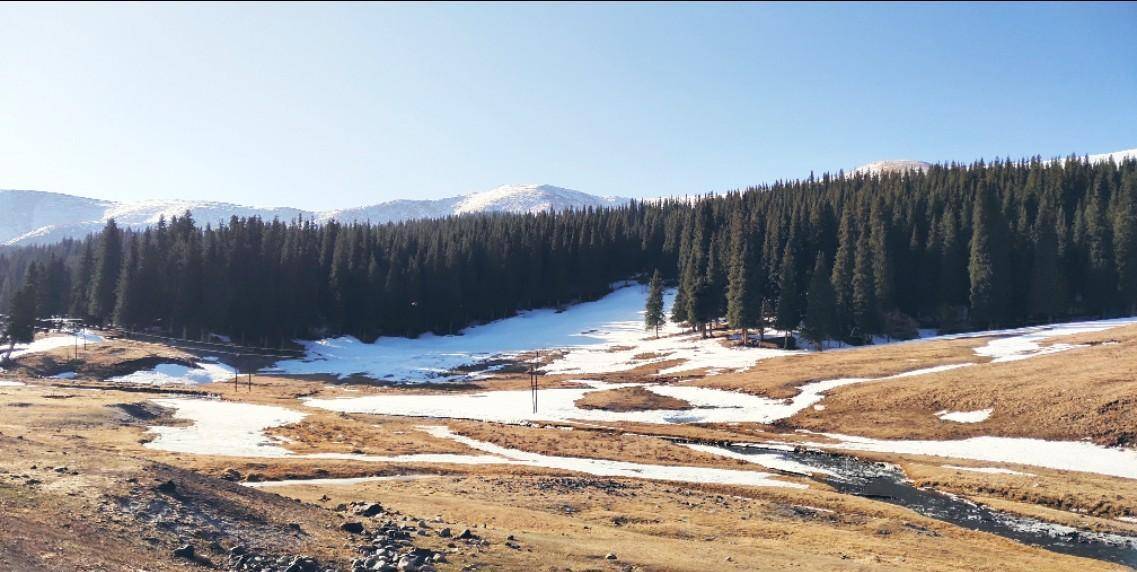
x,y
231,474
466,535
352,527
168,487
185,551
444,533
610,556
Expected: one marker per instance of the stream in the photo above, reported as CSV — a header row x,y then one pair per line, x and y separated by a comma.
x,y
886,483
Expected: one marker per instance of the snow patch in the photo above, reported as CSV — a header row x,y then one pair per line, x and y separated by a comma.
x,y
607,468
965,416
988,470
223,428
1060,455
595,334
769,460
173,373
6,383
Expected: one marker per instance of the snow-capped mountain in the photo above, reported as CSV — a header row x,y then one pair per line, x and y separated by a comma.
x,y
35,217
903,165
892,166
508,198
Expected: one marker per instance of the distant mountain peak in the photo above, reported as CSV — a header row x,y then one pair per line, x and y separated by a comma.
x,y
892,166
37,217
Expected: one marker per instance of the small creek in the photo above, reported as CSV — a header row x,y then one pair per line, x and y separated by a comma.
x,y
886,483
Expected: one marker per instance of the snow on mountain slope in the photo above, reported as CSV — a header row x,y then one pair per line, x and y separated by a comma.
x,y
34,217
892,166
507,198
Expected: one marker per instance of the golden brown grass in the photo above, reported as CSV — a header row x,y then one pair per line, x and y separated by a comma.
x,y
780,377
629,399
1082,393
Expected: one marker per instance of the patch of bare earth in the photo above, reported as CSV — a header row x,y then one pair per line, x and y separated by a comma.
x,y
629,399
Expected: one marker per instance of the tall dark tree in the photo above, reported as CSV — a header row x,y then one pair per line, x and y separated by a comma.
x,y
820,304
21,323
987,267
789,301
108,264
653,308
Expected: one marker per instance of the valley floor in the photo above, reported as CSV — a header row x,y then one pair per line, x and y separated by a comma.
x,y
113,467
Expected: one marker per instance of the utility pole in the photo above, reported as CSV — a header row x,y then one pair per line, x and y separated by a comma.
x,y
533,377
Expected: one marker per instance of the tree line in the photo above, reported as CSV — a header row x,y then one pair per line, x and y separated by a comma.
x,y
836,257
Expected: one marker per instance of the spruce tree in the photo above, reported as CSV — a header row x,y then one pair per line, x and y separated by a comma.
x,y
789,299
866,314
1044,270
1125,244
107,267
653,308
842,278
20,328
820,304
987,265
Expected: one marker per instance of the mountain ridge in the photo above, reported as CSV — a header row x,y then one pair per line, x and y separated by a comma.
x,y
40,217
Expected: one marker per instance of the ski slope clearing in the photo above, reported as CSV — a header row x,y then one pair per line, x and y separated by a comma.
x,y
595,335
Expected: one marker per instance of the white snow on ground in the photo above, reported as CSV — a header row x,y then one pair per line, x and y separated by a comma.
x,y
172,373
6,383
1130,519
769,460
54,341
606,468
988,470
965,416
1060,455
590,331
224,428
1023,343
557,404
65,375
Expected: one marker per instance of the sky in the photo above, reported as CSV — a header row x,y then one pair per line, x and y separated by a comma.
x,y
323,106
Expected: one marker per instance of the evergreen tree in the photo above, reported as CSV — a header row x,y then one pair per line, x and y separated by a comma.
x,y
789,301
987,265
1125,244
744,298
107,267
20,328
843,272
653,309
1044,271
866,314
820,308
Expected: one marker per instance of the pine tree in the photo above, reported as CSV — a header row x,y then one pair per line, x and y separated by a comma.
x,y
842,278
789,301
820,308
1125,244
744,300
106,277
987,262
1044,270
866,314
129,303
653,309
20,328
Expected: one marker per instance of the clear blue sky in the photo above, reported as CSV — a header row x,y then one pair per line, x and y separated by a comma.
x,y
323,106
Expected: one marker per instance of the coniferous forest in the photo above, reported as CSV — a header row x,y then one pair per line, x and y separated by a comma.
x,y
836,257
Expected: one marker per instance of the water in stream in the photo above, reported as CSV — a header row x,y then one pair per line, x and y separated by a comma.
x,y
882,482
